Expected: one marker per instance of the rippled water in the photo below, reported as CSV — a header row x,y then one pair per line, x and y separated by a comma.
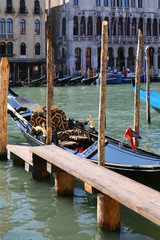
x,y
31,210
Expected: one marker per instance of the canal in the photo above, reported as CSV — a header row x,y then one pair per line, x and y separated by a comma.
x,y
31,210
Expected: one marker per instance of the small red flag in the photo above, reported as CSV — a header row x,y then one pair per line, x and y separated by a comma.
x,y
128,136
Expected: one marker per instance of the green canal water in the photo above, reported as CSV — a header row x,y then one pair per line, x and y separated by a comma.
x,y
30,210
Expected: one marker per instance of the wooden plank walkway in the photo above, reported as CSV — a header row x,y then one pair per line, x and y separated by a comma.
x,y
133,195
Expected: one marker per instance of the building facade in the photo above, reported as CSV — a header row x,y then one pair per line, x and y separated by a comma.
x,y
22,37
76,27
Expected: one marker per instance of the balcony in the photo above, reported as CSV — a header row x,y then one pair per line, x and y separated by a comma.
x,y
61,40
37,11
10,10
23,11
7,36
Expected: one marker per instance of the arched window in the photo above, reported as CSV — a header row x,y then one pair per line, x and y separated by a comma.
x,y
23,49
98,3
37,27
75,26
99,26
63,27
140,25
148,27
107,19
151,56
9,48
75,2
113,26
127,27
77,59
9,26
127,3
22,26
133,3
37,49
90,26
105,3
88,58
22,6
63,53
119,3
36,7
82,26
134,27
112,3
2,26
2,48
155,27
120,27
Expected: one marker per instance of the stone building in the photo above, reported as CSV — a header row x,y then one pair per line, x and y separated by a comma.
x,y
22,37
76,26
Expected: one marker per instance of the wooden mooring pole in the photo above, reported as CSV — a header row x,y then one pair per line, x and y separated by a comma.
x,y
108,209
4,81
137,86
147,86
49,87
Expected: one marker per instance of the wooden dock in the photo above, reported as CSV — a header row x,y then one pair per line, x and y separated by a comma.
x,y
50,158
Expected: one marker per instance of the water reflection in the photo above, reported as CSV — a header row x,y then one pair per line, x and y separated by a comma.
x,y
30,209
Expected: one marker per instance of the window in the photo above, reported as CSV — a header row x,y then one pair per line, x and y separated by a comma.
x,y
75,2
148,27
134,27
82,26
112,3
77,59
120,27
90,26
127,23
99,26
22,6
159,4
63,53
37,49
9,26
63,27
75,26
22,26
2,26
155,27
105,3
140,3
133,3
127,3
37,27
9,48
98,3
2,48
119,3
23,49
88,58
36,7
9,6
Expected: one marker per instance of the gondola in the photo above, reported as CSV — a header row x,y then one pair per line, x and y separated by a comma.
x,y
76,80
62,81
154,97
79,138
89,81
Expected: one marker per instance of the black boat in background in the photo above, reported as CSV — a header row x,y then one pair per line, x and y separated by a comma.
x,y
80,139
76,80
89,81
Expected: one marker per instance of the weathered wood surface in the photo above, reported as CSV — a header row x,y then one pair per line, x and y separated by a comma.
x,y
102,96
137,86
147,85
22,151
133,195
4,81
50,75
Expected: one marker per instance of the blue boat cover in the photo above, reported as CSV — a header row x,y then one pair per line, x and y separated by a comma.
x,y
154,98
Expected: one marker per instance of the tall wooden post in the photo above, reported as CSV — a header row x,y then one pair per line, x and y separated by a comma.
x,y
108,210
137,86
147,86
49,87
4,81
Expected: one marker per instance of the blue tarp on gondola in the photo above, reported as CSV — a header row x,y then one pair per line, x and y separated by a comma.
x,y
154,98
